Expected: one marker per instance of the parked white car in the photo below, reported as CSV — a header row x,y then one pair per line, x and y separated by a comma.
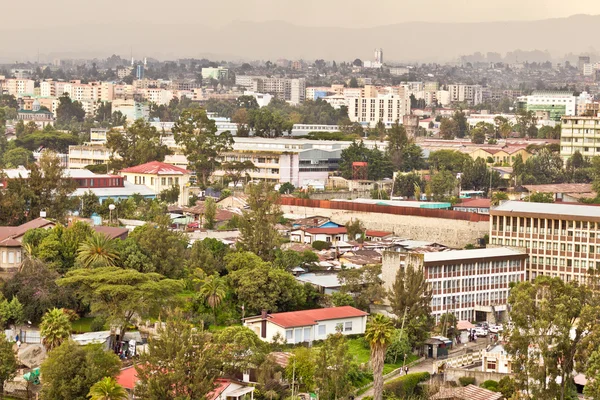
x,y
495,328
480,331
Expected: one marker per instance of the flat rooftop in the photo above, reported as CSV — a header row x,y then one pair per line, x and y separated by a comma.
x,y
455,255
557,209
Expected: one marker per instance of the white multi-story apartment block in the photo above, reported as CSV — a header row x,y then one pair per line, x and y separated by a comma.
x,y
469,94
562,240
19,87
292,90
370,110
580,134
555,103
158,96
471,284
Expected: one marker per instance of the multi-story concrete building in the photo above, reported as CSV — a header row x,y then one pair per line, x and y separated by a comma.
x,y
215,73
555,103
471,284
580,134
469,94
562,240
292,90
19,87
160,176
370,110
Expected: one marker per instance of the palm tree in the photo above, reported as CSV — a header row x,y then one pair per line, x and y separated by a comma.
x,y
213,291
379,335
108,389
98,251
55,328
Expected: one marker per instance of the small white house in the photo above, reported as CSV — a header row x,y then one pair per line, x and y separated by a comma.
x,y
308,325
310,235
496,360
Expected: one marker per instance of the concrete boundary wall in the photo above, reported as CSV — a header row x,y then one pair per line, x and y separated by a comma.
x,y
450,232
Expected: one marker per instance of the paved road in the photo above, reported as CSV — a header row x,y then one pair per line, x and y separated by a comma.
x,y
427,364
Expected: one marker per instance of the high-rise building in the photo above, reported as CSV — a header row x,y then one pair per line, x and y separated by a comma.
x,y
379,56
387,108
470,94
580,134
582,61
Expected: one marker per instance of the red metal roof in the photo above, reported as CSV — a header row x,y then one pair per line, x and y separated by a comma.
x,y
312,317
156,168
476,203
325,231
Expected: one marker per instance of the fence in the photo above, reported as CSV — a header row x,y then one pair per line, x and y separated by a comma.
x,y
29,336
459,361
375,208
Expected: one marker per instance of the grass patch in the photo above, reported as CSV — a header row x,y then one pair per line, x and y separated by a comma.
x,y
362,355
82,325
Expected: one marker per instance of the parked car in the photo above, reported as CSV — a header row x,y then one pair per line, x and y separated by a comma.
x,y
495,328
480,331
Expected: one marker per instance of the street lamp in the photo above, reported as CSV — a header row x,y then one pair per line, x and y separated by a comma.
x,y
111,207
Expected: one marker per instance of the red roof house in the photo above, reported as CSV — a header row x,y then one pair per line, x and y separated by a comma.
x,y
308,325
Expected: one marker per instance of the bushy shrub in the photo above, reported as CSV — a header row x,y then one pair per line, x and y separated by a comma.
x,y
490,385
406,385
98,324
466,381
320,245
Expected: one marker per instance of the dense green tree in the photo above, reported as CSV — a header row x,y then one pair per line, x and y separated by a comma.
x,y
262,287
301,368
182,362
242,348
462,125
108,389
544,167
197,135
121,294
592,387
235,171
379,335
247,102
477,135
207,255
398,348
477,176
70,370
268,123
17,156
449,160
11,312
363,283
411,295
257,224
59,246
554,326
405,184
139,143
55,328
539,197
449,129
287,188
443,185
35,287
68,111
8,363
379,163
171,195
47,189
355,229
497,197
49,140
166,249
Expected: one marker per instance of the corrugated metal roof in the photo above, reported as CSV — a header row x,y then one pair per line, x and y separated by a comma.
x,y
156,168
312,317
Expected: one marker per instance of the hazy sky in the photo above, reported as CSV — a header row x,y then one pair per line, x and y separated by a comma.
x,y
342,13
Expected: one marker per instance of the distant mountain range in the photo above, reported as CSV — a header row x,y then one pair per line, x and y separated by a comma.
x,y
403,42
